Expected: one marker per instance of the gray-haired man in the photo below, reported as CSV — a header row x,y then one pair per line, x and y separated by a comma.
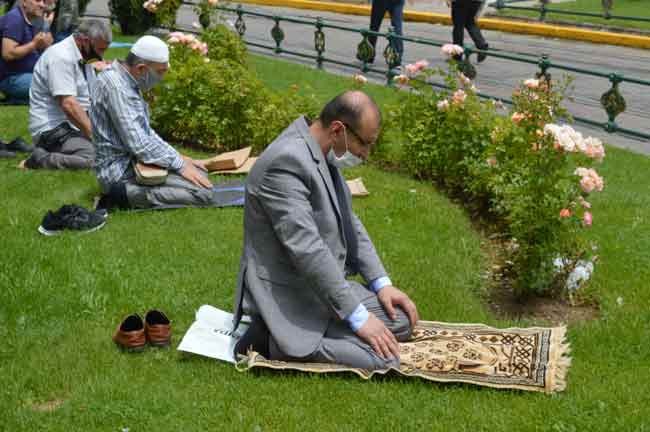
x,y
60,98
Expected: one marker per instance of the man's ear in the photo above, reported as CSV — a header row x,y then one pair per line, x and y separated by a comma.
x,y
141,68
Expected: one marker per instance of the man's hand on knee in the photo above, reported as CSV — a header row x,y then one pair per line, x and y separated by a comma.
x,y
390,297
192,173
382,340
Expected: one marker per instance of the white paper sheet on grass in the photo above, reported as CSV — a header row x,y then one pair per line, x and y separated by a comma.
x,y
211,334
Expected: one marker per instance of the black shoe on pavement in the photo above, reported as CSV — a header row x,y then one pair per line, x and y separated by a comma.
x,y
71,217
482,55
19,145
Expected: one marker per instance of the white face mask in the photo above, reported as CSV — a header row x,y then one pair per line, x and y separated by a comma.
x,y
347,160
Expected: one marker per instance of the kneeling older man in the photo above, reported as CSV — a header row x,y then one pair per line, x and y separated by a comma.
x,y
301,241
123,136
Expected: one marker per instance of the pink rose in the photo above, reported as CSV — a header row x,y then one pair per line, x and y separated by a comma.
x,y
421,64
360,79
517,117
401,79
411,69
587,219
565,213
589,180
443,105
584,203
531,83
459,97
451,50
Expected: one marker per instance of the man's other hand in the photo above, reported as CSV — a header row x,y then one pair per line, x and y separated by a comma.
x,y
375,333
43,40
101,65
389,297
192,173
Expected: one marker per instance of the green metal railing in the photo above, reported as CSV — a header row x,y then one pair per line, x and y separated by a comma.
x,y
612,101
544,10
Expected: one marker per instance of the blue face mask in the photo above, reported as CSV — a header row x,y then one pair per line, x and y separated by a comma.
x,y
347,160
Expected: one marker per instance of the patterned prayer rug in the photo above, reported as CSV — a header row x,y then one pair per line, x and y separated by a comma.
x,y
532,359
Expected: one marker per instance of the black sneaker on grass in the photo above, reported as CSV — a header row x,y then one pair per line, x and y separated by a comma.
x,y
71,217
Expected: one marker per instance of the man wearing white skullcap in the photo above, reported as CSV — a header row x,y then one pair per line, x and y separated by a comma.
x,y
123,137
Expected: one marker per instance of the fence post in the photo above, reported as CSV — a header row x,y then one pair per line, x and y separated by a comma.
x,y
613,102
240,25
465,65
319,42
544,64
365,51
391,56
277,34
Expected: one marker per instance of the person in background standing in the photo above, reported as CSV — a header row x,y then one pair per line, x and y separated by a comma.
x,y
396,10
463,16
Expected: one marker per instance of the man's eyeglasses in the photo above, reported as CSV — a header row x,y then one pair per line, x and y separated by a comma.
x,y
356,135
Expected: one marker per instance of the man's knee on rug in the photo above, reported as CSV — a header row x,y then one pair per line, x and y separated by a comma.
x,y
401,327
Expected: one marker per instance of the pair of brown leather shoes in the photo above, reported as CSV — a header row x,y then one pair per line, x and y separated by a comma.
x,y
133,334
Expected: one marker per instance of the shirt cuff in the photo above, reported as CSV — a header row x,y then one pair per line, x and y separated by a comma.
x,y
379,283
178,163
358,317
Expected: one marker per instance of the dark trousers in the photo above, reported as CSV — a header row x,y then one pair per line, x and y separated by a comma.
x,y
463,15
395,8
62,148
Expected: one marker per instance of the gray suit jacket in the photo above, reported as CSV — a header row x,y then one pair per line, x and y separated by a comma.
x,y
292,270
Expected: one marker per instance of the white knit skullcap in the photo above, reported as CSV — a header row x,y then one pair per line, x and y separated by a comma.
x,y
152,49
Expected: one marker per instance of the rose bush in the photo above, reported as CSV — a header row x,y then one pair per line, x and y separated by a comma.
x,y
218,105
523,170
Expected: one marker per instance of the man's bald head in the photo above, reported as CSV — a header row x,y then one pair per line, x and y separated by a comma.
x,y
354,108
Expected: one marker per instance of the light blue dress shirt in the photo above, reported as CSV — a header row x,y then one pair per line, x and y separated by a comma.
x,y
359,316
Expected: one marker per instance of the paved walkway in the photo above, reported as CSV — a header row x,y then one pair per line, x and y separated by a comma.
x,y
495,76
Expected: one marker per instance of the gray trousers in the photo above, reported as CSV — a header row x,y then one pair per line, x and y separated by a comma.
x,y
340,345
75,153
175,192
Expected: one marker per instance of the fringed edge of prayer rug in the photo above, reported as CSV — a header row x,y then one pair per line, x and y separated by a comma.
x,y
530,359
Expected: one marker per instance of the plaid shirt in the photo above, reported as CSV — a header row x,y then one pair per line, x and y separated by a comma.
x,y
121,130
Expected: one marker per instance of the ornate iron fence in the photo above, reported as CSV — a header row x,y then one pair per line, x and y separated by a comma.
x,y
612,101
543,10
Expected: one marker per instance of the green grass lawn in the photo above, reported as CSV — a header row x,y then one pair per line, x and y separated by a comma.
x,y
629,8
61,298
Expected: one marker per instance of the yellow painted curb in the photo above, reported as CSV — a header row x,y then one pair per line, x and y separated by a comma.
x,y
546,30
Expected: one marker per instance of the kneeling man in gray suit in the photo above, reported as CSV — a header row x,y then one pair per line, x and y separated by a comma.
x,y
301,241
